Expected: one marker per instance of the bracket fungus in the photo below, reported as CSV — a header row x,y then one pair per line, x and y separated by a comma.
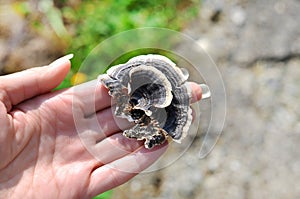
x,y
151,91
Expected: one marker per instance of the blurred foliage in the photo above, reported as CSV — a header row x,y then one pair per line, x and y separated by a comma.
x,y
95,21
90,22
105,195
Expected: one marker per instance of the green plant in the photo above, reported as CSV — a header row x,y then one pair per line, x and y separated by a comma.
x,y
105,195
94,21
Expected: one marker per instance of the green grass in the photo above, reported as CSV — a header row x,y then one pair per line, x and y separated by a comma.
x,y
94,21
105,195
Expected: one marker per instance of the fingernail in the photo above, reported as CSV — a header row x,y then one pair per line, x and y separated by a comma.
x,y
205,91
61,60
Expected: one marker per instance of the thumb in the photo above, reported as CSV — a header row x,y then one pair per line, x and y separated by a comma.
x,y
23,85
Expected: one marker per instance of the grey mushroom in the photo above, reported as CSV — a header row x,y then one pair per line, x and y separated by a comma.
x,y
151,91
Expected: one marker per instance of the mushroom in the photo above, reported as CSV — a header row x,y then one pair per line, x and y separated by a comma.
x,y
151,91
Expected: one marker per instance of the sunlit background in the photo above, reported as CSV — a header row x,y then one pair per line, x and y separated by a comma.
x,y
256,46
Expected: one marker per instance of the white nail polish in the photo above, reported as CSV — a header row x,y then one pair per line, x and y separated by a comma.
x,y
205,91
61,60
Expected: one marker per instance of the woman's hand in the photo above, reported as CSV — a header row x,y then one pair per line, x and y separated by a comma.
x,y
42,155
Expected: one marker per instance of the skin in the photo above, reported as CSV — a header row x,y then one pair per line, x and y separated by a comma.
x,y
41,153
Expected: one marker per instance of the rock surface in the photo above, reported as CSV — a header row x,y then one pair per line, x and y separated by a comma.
x,y
256,45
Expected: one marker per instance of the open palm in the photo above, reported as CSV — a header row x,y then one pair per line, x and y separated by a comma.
x,y
42,154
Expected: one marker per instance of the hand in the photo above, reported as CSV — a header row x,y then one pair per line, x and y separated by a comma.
x,y
41,153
